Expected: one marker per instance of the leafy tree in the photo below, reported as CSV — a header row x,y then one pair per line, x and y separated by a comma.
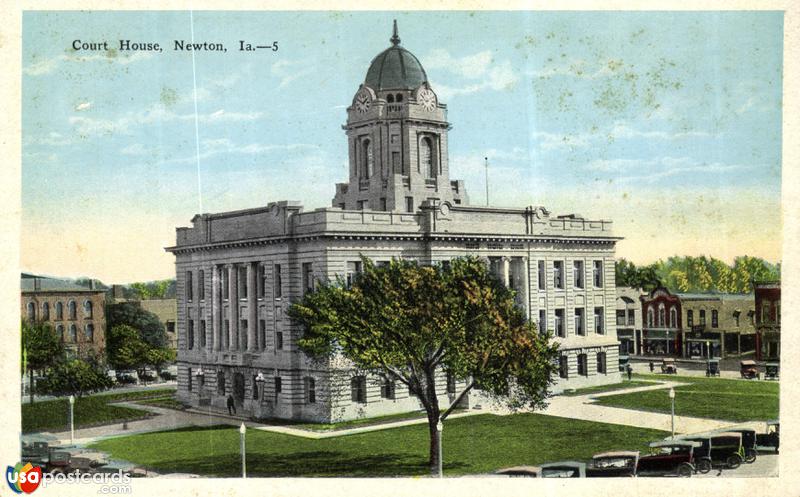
x,y
159,357
126,349
131,314
411,323
41,349
75,377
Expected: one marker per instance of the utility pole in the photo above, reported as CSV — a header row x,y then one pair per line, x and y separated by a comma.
x,y
486,166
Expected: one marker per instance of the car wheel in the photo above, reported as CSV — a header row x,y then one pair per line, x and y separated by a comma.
x,y
750,456
734,461
703,466
685,470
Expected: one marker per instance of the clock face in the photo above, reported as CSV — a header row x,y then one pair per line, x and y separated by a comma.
x,y
427,99
362,102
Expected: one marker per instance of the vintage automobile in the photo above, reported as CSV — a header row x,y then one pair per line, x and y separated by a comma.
x,y
50,459
609,464
563,469
748,369
521,471
712,367
670,457
772,371
749,442
719,448
771,438
668,366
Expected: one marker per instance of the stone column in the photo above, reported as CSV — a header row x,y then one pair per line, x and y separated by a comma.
x,y
252,307
216,307
233,307
525,274
506,271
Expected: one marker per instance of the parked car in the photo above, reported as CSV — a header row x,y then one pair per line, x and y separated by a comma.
x,y
50,459
127,377
563,469
521,471
749,442
669,457
712,367
720,448
748,369
770,439
616,463
668,366
772,371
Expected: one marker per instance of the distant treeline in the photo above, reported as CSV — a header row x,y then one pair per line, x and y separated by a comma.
x,y
698,274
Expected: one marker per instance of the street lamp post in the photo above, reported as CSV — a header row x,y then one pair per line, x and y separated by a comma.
x,y
200,374
672,401
72,420
242,430
708,348
439,428
260,380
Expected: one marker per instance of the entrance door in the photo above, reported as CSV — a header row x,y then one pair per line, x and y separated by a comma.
x,y
238,388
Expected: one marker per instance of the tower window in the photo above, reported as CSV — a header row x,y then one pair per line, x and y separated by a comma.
x,y
399,97
390,98
426,162
409,204
366,159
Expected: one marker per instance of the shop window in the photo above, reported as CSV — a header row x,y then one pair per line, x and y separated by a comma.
x,y
358,389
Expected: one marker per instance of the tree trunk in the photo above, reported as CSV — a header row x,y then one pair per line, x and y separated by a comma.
x,y
433,456
30,387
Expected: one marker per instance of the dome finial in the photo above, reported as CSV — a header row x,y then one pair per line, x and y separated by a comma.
x,y
395,39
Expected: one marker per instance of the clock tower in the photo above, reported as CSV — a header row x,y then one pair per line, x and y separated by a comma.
x,y
397,139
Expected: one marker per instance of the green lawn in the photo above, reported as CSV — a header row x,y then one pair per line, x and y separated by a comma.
x,y
715,398
473,444
609,388
53,415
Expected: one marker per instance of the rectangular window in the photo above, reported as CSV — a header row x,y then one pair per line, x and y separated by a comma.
x,y
308,277
226,340
396,167
353,268
189,379
689,318
202,332
577,273
387,389
189,286
278,340
451,384
277,282
558,274
714,318
383,203
542,321
362,204
541,275
631,317
224,278
201,284
241,281
190,333
765,312
736,319
601,362
580,328
702,317
583,369
243,335
358,389
620,317
278,388
778,311
409,204
598,320
563,367
262,334
597,274
559,324
260,277
310,390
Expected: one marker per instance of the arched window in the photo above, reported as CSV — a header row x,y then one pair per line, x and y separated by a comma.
x,y
46,311
426,163
367,159
72,310
31,311
87,309
662,316
88,330
399,97
59,311
650,316
390,98
73,333
673,318
60,331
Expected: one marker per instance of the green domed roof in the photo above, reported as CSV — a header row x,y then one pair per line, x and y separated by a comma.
x,y
395,69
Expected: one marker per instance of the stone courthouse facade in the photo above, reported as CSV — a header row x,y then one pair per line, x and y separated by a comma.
x,y
238,272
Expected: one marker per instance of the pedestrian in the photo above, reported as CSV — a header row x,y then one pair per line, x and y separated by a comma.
x,y
630,370
652,366
231,405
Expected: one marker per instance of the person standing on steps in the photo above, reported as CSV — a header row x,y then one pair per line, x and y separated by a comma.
x,y
231,405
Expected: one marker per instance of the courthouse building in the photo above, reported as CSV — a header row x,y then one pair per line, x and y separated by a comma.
x,y
238,272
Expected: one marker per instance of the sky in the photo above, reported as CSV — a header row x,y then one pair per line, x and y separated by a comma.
x,y
668,124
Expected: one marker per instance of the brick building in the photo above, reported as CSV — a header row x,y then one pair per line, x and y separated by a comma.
x,y
237,272
629,322
768,319
76,313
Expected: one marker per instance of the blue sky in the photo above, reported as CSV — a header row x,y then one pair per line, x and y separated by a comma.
x,y
669,124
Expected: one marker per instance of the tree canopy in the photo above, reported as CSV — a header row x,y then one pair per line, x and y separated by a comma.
x,y
74,377
131,314
412,323
41,349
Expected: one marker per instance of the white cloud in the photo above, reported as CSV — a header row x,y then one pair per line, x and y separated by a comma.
x,y
46,66
83,106
53,138
219,146
288,72
480,70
